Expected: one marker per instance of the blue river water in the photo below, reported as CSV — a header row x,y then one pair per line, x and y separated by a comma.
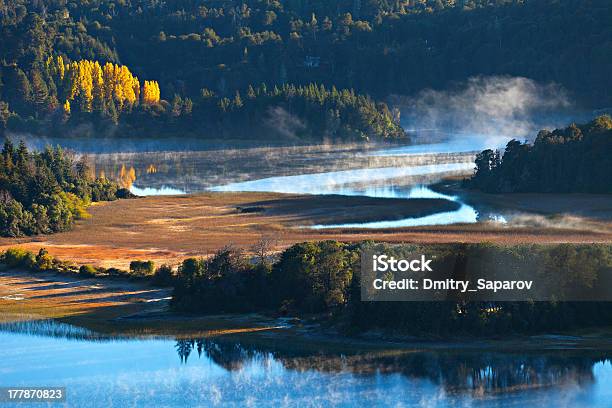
x,y
121,372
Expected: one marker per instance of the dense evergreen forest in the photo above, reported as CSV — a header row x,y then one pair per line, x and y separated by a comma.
x,y
571,160
198,50
45,192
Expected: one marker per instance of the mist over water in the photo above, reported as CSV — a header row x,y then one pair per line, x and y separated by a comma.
x,y
335,182
454,144
486,112
152,191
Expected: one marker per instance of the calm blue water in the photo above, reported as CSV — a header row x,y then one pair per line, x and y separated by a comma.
x,y
464,143
346,182
101,372
387,182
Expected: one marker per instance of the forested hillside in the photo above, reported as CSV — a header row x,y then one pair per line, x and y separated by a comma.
x,y
46,192
570,160
203,48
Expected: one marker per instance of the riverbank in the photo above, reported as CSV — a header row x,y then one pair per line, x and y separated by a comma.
x,y
127,309
596,207
111,307
167,229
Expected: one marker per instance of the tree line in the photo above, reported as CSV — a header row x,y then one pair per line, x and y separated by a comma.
x,y
322,279
59,90
310,112
575,159
45,192
66,94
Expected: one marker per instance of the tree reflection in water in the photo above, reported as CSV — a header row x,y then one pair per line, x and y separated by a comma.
x,y
229,355
456,371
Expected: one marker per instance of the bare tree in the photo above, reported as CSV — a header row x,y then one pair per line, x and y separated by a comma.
x,y
264,248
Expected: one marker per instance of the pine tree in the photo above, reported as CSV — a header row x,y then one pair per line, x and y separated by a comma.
x,y
177,106
251,92
23,89
40,92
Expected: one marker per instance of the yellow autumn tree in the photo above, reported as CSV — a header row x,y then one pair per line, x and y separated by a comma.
x,y
99,102
94,87
108,74
126,81
55,68
85,85
126,177
150,93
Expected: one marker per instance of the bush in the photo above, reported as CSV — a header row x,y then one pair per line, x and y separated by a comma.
x,y
142,268
87,270
44,261
163,276
14,220
14,257
125,193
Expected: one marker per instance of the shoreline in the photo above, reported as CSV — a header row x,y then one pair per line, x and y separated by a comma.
x,y
119,309
597,207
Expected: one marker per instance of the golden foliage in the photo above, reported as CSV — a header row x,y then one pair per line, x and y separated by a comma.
x,y
96,87
150,93
126,177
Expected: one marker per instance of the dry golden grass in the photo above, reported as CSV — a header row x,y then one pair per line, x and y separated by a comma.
x,y
54,295
111,307
168,229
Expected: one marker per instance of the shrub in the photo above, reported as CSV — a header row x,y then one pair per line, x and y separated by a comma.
x,y
142,268
87,270
14,257
163,276
44,261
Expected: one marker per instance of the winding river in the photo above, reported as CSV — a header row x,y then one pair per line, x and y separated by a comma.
x,y
405,172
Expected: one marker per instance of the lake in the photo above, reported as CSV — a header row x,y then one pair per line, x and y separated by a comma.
x,y
100,371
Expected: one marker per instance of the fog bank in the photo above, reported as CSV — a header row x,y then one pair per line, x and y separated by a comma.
x,y
489,110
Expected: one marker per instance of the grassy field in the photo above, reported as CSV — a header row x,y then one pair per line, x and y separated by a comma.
x,y
113,307
167,229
